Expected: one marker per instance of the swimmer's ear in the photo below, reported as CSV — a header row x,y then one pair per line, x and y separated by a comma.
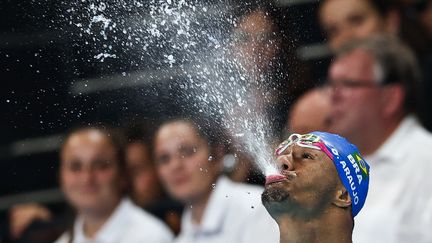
x,y
342,198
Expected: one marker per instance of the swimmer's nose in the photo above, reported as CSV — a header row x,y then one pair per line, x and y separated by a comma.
x,y
284,163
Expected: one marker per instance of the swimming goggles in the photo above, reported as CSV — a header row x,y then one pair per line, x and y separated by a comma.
x,y
303,140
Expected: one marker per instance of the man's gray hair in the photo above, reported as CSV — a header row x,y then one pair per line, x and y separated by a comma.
x,y
395,64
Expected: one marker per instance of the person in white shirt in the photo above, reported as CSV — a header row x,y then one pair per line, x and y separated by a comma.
x,y
375,85
188,155
92,178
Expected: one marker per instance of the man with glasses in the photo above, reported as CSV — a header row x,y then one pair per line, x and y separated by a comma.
x,y
322,186
374,87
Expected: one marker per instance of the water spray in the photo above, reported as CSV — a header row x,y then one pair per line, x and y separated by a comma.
x,y
198,40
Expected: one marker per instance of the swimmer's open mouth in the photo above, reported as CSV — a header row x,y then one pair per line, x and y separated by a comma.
x,y
274,178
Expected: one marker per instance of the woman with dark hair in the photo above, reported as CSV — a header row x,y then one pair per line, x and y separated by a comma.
x,y
146,189
345,20
188,153
93,180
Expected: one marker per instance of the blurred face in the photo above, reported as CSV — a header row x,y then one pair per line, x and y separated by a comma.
x,y
426,18
344,20
145,183
355,95
310,113
89,172
309,186
256,42
184,162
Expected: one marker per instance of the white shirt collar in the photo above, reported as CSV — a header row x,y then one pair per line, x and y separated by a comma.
x,y
391,150
214,213
110,230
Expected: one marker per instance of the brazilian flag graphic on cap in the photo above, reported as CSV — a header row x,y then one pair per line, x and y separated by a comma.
x,y
361,163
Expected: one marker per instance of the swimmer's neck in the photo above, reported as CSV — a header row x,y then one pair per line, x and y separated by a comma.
x,y
323,230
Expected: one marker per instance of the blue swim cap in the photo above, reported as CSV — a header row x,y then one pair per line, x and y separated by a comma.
x,y
351,167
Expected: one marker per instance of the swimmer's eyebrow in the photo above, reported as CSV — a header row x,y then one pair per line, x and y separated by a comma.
x,y
301,150
319,154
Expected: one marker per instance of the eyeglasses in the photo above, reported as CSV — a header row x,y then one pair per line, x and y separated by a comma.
x,y
303,140
351,84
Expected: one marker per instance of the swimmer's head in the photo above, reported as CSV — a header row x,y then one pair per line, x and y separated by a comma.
x,y
328,171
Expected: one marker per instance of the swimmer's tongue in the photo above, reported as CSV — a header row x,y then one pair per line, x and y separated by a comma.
x,y
274,178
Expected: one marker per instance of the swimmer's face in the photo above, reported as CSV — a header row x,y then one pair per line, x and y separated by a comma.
x,y
309,192
184,161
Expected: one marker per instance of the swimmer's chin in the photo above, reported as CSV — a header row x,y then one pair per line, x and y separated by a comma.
x,y
274,193
275,200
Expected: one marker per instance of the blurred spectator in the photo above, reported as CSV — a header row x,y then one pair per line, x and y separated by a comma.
x,y
374,93
267,51
31,222
345,20
22,215
94,181
146,189
263,45
425,15
257,42
188,153
311,112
